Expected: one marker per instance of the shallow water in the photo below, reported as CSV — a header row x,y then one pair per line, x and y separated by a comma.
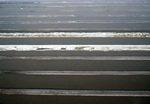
x,y
74,15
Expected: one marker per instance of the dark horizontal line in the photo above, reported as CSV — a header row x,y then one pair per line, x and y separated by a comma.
x,y
73,29
66,2
70,22
145,10
51,16
52,92
83,73
77,58
74,6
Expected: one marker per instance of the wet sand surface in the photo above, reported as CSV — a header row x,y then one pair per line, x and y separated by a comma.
x,y
59,64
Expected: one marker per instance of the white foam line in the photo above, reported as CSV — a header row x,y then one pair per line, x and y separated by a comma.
x,y
74,47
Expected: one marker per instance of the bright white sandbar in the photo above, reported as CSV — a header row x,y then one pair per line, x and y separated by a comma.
x,y
74,47
73,34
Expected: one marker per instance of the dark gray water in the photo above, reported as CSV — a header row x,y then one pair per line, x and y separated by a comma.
x,y
74,41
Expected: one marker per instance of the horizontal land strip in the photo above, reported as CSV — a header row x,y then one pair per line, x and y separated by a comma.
x,y
52,92
74,6
51,16
75,48
77,58
74,34
83,73
66,2
75,29
132,10
71,22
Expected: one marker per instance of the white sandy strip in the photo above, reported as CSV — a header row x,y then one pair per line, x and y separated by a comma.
x,y
74,47
73,34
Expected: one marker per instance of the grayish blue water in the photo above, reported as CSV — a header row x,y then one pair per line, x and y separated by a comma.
x,y
74,15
